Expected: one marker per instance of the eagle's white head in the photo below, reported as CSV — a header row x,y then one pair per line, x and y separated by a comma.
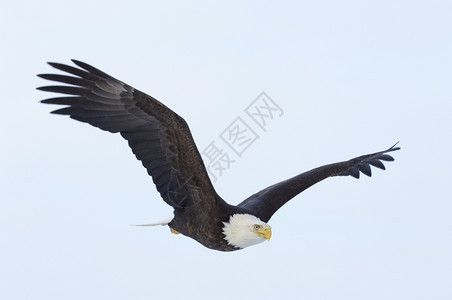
x,y
244,230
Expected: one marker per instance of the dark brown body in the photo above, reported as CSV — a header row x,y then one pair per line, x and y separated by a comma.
x,y
204,223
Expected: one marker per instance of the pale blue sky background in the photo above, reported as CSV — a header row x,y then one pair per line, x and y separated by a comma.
x,y
352,77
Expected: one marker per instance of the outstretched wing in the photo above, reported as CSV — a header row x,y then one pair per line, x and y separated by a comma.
x,y
266,202
159,137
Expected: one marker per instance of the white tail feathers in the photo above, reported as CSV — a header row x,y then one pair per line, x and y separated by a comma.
x,y
162,223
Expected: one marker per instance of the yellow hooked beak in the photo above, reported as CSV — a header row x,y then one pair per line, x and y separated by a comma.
x,y
264,231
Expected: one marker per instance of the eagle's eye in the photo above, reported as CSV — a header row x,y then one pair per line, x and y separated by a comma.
x,y
257,227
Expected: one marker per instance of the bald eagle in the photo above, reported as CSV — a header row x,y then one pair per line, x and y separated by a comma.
x,y
162,141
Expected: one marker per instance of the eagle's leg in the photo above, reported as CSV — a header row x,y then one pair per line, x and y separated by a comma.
x,y
173,230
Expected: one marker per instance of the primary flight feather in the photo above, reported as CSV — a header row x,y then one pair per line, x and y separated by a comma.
x,y
162,141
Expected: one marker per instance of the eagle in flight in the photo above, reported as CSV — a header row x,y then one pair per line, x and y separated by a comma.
x,y
162,141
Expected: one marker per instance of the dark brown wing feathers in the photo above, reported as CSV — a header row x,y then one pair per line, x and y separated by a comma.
x,y
159,138
266,202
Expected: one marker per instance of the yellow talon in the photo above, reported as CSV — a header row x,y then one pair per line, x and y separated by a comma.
x,y
173,230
